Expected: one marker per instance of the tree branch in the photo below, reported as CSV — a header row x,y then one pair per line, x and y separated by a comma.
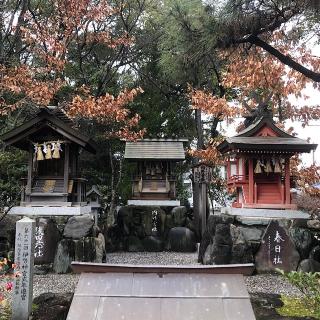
x,y
287,60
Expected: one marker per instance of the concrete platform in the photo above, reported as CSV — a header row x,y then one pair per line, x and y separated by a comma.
x,y
266,213
50,211
160,296
155,203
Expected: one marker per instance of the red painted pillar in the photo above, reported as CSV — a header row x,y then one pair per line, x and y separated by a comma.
x,y
228,168
251,183
287,180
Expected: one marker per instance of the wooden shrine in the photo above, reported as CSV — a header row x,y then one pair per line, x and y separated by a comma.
x,y
53,148
154,181
258,165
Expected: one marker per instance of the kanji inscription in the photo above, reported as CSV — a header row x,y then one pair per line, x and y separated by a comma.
x,y
277,250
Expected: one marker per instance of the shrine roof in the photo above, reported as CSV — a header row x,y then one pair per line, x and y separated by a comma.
x,y
250,139
260,123
278,144
46,117
155,149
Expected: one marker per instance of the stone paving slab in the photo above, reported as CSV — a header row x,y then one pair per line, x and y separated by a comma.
x,y
152,296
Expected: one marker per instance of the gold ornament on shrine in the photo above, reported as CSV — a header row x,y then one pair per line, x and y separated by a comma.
x,y
48,150
258,167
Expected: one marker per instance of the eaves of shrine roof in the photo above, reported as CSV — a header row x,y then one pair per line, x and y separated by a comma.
x,y
46,117
155,149
260,123
278,144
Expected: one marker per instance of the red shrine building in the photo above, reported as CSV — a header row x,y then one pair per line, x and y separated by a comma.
x,y
258,165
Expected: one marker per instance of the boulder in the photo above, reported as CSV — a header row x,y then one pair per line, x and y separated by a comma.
x,y
302,239
64,256
181,239
113,239
100,245
52,306
309,265
90,249
152,244
179,215
78,227
134,244
241,251
222,245
140,221
315,253
208,236
124,219
85,250
251,234
206,241
207,256
47,237
314,224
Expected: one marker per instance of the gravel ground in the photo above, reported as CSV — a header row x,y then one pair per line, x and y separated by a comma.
x,y
269,283
163,258
60,283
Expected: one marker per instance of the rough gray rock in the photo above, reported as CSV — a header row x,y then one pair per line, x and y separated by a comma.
x,y
152,244
52,306
90,249
222,244
179,215
208,257
302,239
64,256
140,221
78,227
100,245
251,234
314,224
181,239
134,244
315,253
309,265
216,240
241,251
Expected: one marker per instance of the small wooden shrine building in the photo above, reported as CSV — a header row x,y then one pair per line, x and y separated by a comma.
x,y
154,181
53,147
258,165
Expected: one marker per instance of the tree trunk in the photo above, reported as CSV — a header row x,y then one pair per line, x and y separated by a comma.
x,y
114,188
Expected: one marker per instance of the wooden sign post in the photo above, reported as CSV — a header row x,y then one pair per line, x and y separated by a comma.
x,y
24,259
202,174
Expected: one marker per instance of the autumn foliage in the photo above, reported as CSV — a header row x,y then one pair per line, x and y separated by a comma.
x,y
254,78
110,110
46,34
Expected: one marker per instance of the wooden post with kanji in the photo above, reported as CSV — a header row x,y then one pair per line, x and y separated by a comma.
x,y
24,259
202,174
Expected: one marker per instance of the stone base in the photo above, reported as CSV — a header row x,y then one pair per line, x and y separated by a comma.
x,y
266,213
155,203
50,211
